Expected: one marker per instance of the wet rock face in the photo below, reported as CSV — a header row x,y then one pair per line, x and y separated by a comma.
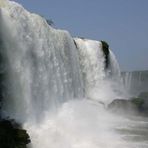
x,y
135,105
144,98
12,136
105,48
120,106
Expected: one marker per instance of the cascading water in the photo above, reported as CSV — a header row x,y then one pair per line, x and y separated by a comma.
x,y
135,82
43,63
55,85
98,82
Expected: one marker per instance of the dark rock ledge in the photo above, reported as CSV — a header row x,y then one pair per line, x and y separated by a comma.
x,y
12,135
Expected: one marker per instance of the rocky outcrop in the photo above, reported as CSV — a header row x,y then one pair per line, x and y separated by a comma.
x,y
120,106
144,97
132,106
105,48
75,44
12,135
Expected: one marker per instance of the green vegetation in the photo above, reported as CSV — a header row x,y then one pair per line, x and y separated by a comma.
x,y
12,136
143,95
105,48
50,22
121,106
138,102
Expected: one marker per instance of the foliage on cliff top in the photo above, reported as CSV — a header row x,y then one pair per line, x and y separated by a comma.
x,y
138,102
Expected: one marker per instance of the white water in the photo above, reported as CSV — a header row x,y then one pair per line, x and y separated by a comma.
x,y
56,89
44,68
135,82
100,84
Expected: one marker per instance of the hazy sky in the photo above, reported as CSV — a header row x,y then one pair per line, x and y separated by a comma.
x,y
122,23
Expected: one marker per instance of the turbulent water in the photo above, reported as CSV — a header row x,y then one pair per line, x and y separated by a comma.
x,y
58,87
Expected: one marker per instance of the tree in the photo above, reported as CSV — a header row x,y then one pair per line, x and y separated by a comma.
x,y
50,22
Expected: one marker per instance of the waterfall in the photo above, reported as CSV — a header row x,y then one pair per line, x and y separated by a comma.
x,y
100,84
43,63
135,82
127,81
57,86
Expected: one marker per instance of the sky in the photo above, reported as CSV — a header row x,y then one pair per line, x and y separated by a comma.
x,y
122,23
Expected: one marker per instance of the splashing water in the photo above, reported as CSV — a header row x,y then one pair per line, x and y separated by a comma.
x,y
55,88
100,84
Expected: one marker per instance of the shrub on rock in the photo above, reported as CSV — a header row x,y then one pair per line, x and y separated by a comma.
x,y
12,136
105,48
